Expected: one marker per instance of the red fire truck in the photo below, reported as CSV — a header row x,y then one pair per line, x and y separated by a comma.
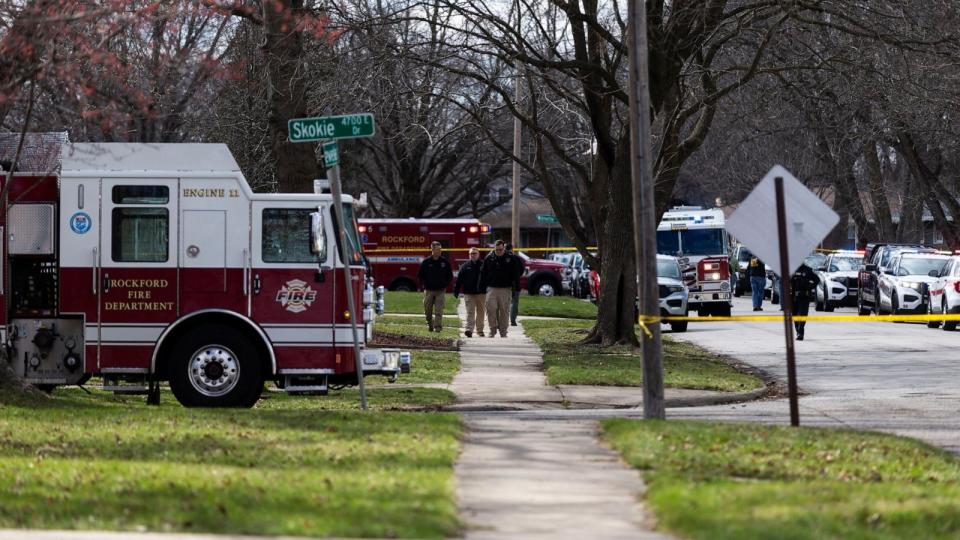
x,y
149,262
396,247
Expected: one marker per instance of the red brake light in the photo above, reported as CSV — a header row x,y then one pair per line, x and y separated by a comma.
x,y
956,286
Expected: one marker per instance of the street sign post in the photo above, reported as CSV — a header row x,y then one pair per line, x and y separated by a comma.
x,y
321,128
803,220
331,128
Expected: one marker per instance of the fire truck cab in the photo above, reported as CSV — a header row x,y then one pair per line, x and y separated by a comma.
x,y
699,236
143,263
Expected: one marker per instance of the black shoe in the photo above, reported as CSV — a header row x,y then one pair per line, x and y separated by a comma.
x,y
430,326
757,309
468,333
799,336
513,323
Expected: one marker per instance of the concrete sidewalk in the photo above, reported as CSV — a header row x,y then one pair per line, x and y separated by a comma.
x,y
524,478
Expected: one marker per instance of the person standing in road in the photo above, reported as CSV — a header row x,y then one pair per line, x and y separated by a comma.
x,y
499,275
470,281
803,285
758,279
515,294
435,274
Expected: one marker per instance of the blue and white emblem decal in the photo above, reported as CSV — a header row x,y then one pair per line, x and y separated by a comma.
x,y
81,223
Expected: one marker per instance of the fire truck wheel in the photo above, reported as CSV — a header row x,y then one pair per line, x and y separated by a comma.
x,y
403,285
216,366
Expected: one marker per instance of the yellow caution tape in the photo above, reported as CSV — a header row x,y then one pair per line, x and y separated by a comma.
x,y
807,318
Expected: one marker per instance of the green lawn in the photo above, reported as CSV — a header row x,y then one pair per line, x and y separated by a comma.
x,y
684,365
557,306
726,481
286,467
401,331
428,367
412,302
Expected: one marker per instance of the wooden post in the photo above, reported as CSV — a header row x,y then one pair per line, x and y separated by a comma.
x,y
644,209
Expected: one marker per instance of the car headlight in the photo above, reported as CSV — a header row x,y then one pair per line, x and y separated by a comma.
x,y
675,289
910,284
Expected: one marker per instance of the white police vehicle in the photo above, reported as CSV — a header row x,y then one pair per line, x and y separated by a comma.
x,y
673,293
904,285
838,280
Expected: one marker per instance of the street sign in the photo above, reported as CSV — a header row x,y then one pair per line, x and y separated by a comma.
x,y
319,128
808,220
331,155
547,218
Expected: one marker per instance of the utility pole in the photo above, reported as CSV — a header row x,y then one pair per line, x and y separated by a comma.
x,y
644,209
515,217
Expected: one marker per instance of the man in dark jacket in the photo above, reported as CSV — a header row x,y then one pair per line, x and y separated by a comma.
x,y
499,275
470,281
435,274
515,294
803,285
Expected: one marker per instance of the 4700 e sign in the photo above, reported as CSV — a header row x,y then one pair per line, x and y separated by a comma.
x,y
348,126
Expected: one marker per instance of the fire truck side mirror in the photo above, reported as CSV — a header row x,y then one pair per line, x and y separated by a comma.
x,y
318,238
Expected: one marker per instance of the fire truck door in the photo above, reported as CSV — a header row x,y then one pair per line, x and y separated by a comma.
x,y
79,256
291,299
138,268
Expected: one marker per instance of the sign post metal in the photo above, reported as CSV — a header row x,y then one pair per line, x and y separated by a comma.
x,y
331,128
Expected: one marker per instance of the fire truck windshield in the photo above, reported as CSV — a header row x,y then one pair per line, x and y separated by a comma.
x,y
354,248
691,242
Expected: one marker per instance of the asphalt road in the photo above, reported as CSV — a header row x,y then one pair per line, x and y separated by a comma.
x,y
895,377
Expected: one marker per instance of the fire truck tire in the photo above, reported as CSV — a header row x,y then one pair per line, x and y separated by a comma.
x,y
403,285
216,366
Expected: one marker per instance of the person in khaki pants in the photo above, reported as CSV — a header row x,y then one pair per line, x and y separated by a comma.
x,y
434,275
469,280
499,275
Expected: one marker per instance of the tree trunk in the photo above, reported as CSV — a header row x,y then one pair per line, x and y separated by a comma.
x,y
883,218
296,163
618,280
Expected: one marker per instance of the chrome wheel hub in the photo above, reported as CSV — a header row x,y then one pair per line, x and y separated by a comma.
x,y
546,290
214,370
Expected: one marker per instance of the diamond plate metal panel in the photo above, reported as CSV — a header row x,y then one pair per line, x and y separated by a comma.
x,y
31,229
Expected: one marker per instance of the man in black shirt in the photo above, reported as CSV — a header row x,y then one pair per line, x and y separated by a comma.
x,y
499,274
469,280
434,275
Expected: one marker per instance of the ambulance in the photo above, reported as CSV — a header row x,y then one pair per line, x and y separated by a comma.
x,y
142,263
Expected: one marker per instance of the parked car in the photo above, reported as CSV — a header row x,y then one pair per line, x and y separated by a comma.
x,y
838,280
742,257
580,278
876,259
566,259
672,292
541,277
943,295
904,285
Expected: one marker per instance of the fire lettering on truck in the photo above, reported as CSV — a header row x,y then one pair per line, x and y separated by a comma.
x,y
139,295
206,192
404,239
296,296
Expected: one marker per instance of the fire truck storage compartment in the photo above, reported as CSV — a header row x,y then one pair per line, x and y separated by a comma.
x,y
48,351
32,264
